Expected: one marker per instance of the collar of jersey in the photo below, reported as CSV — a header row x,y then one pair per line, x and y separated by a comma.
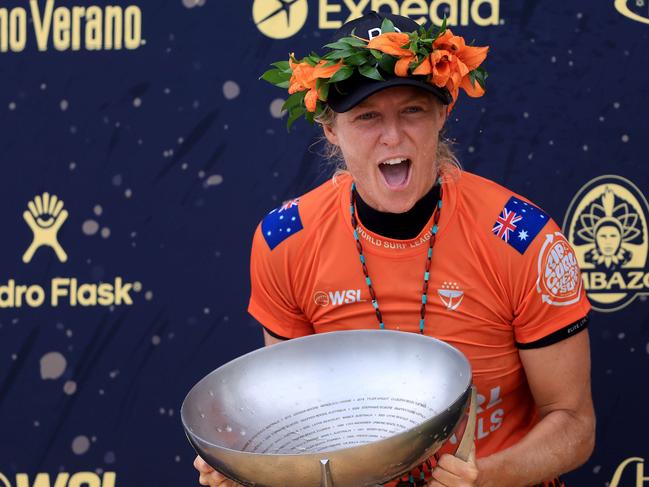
x,y
393,247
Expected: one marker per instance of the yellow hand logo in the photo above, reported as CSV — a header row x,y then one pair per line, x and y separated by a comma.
x,y
45,215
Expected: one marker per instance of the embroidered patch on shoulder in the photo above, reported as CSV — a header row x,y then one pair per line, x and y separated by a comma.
x,y
559,278
519,223
281,223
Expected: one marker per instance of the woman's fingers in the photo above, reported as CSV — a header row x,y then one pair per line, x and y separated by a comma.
x,y
202,466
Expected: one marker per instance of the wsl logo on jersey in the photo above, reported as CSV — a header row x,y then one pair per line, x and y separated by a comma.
x,y
606,224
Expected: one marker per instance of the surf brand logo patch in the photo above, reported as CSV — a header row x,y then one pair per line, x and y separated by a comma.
x,y
606,223
45,216
451,295
559,280
637,10
518,223
281,223
336,298
279,19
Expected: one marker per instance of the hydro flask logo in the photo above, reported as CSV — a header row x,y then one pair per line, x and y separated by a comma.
x,y
45,216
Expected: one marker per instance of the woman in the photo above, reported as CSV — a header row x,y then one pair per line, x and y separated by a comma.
x,y
405,240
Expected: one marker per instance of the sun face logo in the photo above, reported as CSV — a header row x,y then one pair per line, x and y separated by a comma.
x,y
45,215
606,224
279,19
637,10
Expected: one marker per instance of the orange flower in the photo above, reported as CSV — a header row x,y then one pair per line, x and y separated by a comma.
x,y
391,43
471,56
305,77
474,91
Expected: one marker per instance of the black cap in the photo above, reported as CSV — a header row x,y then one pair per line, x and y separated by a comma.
x,y
350,92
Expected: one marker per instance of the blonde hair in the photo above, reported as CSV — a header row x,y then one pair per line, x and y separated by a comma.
x,y
449,166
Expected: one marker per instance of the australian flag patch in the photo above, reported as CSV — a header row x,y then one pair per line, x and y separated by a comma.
x,y
281,223
519,223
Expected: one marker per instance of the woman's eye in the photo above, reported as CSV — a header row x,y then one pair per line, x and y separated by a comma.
x,y
366,116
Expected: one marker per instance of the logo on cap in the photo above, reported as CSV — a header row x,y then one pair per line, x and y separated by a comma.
x,y
279,19
607,226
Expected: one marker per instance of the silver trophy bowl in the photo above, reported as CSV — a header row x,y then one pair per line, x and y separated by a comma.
x,y
344,409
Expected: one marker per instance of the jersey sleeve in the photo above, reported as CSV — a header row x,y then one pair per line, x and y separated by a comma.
x,y
550,302
272,300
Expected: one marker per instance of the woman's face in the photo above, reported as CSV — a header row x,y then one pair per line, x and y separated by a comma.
x,y
389,143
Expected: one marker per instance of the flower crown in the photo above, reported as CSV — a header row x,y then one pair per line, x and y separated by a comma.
x,y
442,58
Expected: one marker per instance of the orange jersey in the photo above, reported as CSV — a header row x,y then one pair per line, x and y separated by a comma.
x,y
495,285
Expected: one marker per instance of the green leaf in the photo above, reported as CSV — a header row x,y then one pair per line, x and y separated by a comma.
x,y
376,54
283,66
296,99
370,72
293,115
283,84
442,28
348,53
323,89
354,41
357,59
276,77
387,26
340,54
343,73
313,60
387,63
340,44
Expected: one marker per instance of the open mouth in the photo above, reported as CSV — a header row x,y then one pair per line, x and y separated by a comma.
x,y
396,171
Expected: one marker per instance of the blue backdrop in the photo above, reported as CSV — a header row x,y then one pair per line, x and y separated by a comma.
x,y
168,151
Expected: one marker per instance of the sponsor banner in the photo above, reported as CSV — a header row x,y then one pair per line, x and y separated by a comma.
x,y
140,152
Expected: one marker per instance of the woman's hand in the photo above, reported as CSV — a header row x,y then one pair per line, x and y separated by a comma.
x,y
453,472
209,476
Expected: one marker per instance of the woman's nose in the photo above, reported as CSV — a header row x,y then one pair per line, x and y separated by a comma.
x,y
390,133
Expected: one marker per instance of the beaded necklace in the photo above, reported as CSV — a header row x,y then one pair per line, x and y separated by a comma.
x,y
359,247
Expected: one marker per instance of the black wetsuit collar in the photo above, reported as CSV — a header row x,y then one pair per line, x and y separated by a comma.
x,y
399,226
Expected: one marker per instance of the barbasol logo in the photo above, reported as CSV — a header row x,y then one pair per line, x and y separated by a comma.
x,y
606,224
637,10
336,298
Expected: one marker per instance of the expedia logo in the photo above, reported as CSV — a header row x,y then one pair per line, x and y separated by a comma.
x,y
62,479
280,19
606,224
634,9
